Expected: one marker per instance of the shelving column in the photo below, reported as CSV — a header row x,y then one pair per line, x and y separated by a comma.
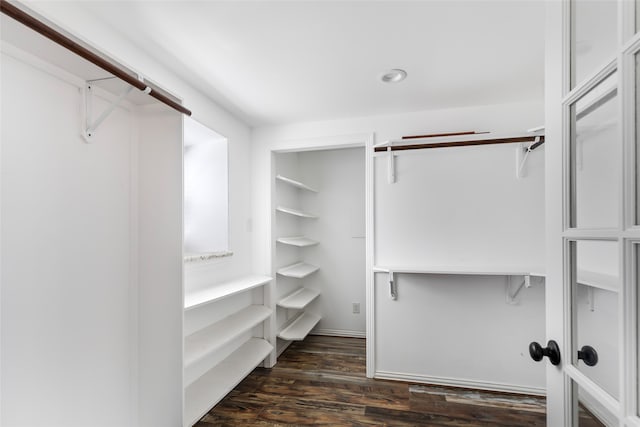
x,y
293,319
220,354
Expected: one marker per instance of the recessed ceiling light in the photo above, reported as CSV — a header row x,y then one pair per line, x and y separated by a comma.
x,y
394,76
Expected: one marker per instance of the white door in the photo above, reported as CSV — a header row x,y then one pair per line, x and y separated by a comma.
x,y
593,237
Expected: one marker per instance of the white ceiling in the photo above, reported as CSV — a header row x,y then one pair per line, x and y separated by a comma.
x,y
276,62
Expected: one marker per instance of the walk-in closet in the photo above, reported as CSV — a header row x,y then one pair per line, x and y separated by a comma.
x,y
266,213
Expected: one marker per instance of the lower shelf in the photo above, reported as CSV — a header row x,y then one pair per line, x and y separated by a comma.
x,y
300,327
299,299
205,341
204,393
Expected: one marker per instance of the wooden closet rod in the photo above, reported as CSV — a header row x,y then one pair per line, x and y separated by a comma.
x,y
467,143
86,53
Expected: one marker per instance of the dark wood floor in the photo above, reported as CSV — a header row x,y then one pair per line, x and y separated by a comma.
x,y
321,381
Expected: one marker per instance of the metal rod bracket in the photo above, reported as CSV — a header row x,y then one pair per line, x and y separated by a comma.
x,y
513,294
522,153
393,287
89,126
391,166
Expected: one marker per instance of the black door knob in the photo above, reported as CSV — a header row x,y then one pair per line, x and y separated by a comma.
x,y
588,355
552,351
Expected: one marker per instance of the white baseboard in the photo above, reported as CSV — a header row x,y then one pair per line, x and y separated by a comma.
x,y
460,382
339,333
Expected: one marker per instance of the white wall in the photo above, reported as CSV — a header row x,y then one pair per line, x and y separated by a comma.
x,y
461,207
159,268
71,16
68,325
405,346
339,177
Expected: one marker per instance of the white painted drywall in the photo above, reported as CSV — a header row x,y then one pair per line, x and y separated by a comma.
x,y
68,277
459,330
339,177
159,242
446,311
461,207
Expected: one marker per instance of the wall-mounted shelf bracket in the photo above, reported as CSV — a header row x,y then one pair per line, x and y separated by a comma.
x,y
512,281
393,287
591,298
522,153
89,125
391,166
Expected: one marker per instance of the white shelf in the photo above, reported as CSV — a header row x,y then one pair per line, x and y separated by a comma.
x,y
299,241
300,327
207,340
295,183
223,290
455,270
296,212
606,282
298,270
299,299
209,389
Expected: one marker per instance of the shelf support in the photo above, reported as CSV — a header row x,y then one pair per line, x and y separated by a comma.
x,y
89,126
522,153
512,295
591,297
393,287
391,166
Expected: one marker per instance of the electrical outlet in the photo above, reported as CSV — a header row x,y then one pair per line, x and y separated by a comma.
x,y
356,307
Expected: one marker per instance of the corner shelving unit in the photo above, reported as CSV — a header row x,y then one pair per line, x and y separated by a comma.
x,y
298,270
299,241
300,327
299,299
296,212
295,183
203,390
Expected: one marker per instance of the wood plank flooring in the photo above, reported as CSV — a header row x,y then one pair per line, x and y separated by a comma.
x,y
321,381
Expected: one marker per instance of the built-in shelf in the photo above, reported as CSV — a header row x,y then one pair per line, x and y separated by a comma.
x,y
207,340
295,183
606,282
455,270
204,393
298,270
299,241
510,272
223,290
300,327
295,212
299,299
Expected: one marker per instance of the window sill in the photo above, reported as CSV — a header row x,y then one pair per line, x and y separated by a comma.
x,y
206,256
